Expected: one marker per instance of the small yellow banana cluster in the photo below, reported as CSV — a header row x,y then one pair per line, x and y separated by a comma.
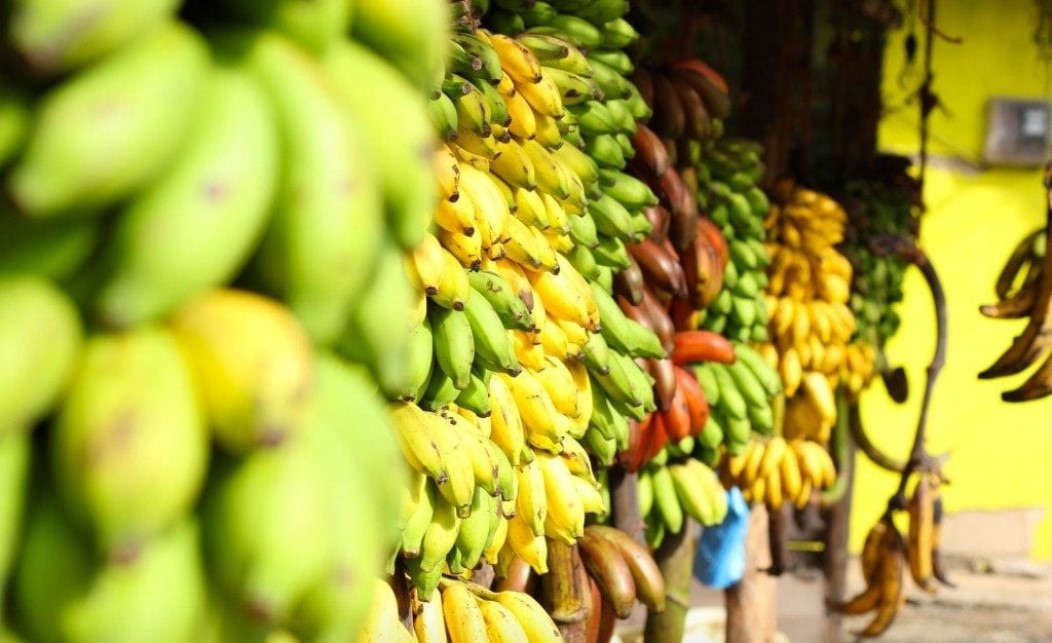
x,y
468,613
776,470
809,320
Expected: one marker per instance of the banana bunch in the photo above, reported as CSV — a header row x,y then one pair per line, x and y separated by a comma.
x,y
1025,295
151,157
879,208
886,555
776,470
674,487
741,395
809,320
128,496
464,612
727,175
883,563
620,571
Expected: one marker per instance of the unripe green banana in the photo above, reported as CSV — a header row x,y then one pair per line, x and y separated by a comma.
x,y
58,36
160,596
596,354
454,344
474,530
112,129
377,332
315,25
583,230
498,292
267,534
493,347
665,499
40,337
130,459
443,116
14,122
413,531
376,96
441,391
611,218
319,249
412,34
475,397
606,151
194,228
420,359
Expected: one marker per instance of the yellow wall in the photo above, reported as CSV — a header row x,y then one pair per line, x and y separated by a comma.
x,y
1000,453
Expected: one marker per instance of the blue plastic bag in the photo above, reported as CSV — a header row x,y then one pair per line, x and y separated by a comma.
x,y
720,559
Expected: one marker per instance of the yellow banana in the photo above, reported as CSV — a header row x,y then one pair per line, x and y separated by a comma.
x,y
531,503
501,624
559,383
531,548
507,429
516,59
535,620
565,519
464,621
447,172
430,623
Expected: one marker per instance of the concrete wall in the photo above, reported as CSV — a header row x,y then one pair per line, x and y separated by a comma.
x,y
1000,453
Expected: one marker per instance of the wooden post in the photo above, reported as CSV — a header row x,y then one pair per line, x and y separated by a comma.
x,y
565,590
751,604
625,504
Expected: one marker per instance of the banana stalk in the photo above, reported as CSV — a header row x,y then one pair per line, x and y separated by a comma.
x,y
565,590
675,557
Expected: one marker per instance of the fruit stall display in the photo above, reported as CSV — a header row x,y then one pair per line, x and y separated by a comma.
x,y
334,321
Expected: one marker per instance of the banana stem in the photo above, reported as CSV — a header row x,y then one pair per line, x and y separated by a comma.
x,y
564,594
675,558
475,588
919,459
841,453
872,451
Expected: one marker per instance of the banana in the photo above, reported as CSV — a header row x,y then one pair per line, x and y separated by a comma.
x,y
440,537
315,255
665,498
430,623
508,431
159,428
381,620
401,154
691,493
412,430
454,344
893,592
509,306
417,511
514,166
532,501
535,621
921,531
252,363
264,561
412,35
493,348
523,124
501,623
40,338
177,239
474,530
560,385
526,545
74,163
15,452
565,513
574,87
606,565
536,410
516,59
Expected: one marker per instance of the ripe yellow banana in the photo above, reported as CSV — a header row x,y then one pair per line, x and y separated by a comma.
x,y
464,620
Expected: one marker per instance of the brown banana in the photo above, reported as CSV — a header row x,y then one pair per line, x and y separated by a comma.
x,y
595,613
629,283
864,601
669,117
893,594
936,535
650,584
699,124
664,373
662,323
870,557
1020,256
919,546
644,82
717,103
659,218
661,268
683,205
607,566
650,150
1018,305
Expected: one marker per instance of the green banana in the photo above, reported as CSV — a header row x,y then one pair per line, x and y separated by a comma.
x,y
441,391
730,398
369,336
160,596
616,329
746,383
40,341
412,34
619,383
443,115
580,163
617,34
594,119
316,255
580,257
134,492
574,88
618,60
611,253
596,353
583,230
60,36
510,308
111,129
536,13
606,151
315,25
578,31
602,448
611,217
491,70
612,83
454,344
475,397
401,154
626,190
474,530
420,354
666,501
473,112
413,531
622,114
266,529
767,376
194,228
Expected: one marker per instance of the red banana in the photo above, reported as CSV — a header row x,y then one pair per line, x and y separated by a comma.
x,y
694,346
697,403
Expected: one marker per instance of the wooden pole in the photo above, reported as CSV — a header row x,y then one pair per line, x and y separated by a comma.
x,y
751,603
675,557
